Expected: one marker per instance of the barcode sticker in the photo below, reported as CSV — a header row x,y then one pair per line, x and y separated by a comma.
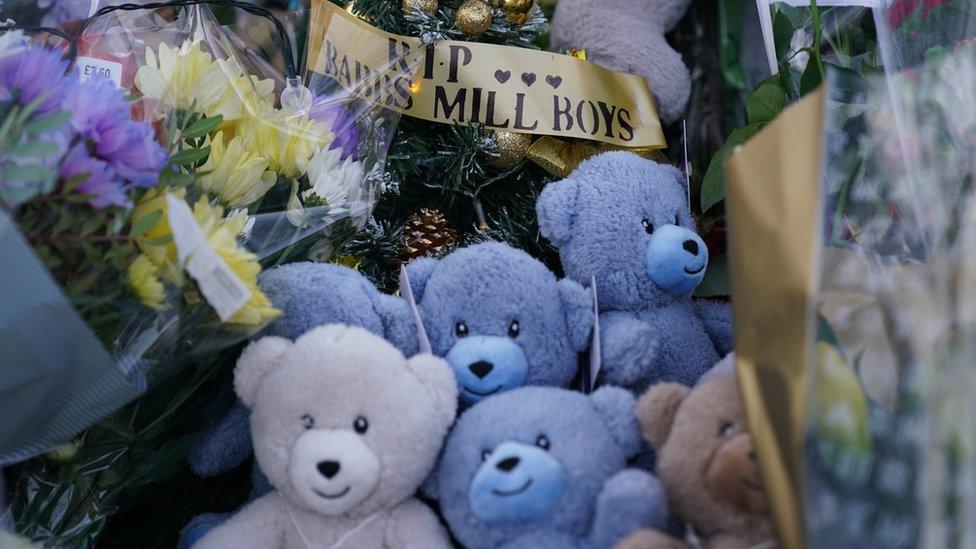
x,y
89,67
222,289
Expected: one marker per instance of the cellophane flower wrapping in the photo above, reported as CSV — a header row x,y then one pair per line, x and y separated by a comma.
x,y
891,446
146,187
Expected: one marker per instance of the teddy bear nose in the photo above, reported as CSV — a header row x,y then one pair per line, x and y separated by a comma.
x,y
328,468
691,247
507,464
481,368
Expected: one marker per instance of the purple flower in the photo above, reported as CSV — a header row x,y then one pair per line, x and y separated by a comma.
x,y
33,74
98,180
102,117
340,122
62,11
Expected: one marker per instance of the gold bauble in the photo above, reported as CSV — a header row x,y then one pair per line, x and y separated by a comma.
x,y
473,17
516,11
512,148
429,6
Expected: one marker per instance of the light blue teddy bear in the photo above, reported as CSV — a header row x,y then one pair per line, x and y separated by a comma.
x,y
624,221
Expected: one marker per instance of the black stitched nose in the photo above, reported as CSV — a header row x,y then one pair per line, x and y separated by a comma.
x,y
507,464
328,468
481,368
691,247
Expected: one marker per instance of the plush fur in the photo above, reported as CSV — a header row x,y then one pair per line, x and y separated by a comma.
x,y
706,462
562,458
489,289
624,221
628,36
346,429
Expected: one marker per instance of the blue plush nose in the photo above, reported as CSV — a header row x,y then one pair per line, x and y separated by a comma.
x,y
486,365
676,259
517,482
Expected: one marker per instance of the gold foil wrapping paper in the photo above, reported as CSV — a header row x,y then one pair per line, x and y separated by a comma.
x,y
774,211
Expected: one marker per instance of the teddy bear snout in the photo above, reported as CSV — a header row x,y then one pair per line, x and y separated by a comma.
x,y
675,259
487,365
516,482
333,470
734,475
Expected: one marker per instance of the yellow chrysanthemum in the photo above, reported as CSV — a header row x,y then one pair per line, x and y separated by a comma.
x,y
144,280
188,77
286,140
237,176
221,234
149,243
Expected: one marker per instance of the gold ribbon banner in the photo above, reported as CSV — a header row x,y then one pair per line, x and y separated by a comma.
x,y
499,87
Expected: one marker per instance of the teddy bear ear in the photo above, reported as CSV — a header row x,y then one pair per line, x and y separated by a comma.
x,y
616,407
657,409
555,208
438,377
578,309
420,271
257,360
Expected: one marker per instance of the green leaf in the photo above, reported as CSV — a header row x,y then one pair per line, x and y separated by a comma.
x,y
91,225
765,103
145,223
32,150
189,156
203,127
717,280
730,42
713,185
161,241
811,78
27,173
47,123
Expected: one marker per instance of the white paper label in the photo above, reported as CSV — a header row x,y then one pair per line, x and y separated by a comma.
x,y
596,352
89,67
406,292
222,289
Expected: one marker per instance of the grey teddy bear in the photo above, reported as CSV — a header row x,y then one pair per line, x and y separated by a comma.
x,y
628,36
624,221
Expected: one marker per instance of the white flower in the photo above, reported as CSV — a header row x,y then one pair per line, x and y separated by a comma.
x,y
12,42
800,39
335,185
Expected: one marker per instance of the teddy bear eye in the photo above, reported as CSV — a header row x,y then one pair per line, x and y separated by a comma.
x,y
461,329
726,430
514,328
308,421
542,442
360,425
485,454
648,226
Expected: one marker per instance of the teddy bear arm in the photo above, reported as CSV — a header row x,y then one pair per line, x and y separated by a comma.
x,y
223,446
651,539
413,525
632,499
548,538
717,318
630,349
259,524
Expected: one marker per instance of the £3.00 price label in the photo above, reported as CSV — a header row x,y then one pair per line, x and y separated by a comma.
x,y
89,67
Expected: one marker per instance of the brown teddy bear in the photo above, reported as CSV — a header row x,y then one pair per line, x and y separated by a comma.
x,y
706,461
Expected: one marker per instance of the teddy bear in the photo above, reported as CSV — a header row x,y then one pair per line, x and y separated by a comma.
x,y
706,462
346,429
625,222
628,36
498,315
546,467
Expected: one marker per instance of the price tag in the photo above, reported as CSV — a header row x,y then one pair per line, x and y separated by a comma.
x,y
89,67
222,289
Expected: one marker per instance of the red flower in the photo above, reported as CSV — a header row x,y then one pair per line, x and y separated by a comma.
x,y
901,10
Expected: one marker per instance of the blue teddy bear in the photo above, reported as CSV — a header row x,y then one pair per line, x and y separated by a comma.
x,y
625,221
546,467
499,317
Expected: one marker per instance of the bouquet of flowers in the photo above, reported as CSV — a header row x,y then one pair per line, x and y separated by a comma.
x,y
152,179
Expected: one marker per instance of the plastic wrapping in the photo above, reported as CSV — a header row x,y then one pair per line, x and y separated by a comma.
x,y
155,226
891,446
